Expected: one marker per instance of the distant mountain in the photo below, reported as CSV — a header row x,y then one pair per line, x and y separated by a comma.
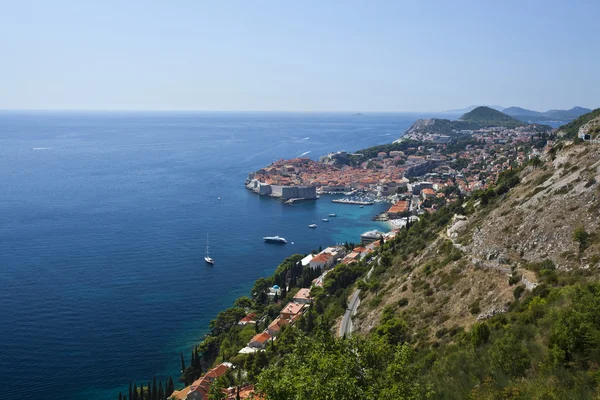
x,y
560,115
471,108
573,113
521,112
486,116
479,117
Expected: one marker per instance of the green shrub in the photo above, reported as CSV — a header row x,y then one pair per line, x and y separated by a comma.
x,y
518,291
474,307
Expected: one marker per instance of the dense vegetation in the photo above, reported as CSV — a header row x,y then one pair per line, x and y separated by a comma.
x,y
571,129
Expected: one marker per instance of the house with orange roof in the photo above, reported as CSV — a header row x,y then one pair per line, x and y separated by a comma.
x,y
351,258
399,208
291,309
198,390
275,326
248,319
303,296
359,249
243,393
427,193
260,340
322,260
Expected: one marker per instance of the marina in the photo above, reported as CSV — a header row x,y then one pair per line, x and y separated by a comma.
x,y
351,201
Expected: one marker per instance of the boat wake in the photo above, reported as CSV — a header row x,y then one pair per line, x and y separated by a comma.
x,y
41,148
305,153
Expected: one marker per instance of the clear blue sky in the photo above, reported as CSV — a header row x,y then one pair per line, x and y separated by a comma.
x,y
298,55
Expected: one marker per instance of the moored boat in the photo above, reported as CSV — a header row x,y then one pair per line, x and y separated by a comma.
x,y
275,239
207,257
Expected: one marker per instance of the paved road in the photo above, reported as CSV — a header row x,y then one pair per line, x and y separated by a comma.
x,y
346,325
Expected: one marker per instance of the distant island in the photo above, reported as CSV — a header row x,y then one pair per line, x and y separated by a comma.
x,y
527,115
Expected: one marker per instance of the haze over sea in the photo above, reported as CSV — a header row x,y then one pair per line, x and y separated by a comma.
x,y
103,223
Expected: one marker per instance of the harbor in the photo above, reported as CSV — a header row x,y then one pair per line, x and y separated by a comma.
x,y
353,201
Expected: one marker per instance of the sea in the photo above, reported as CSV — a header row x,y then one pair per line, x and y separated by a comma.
x,y
104,218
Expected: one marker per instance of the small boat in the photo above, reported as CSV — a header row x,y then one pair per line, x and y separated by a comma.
x,y
325,220
332,215
361,206
207,257
275,239
312,226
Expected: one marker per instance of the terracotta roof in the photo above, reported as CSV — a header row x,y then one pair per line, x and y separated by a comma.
x,y
303,294
277,324
292,308
400,207
261,337
248,318
216,371
321,258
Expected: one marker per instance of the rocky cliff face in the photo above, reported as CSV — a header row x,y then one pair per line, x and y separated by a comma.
x,y
494,249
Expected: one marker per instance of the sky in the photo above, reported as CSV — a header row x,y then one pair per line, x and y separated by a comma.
x,y
305,55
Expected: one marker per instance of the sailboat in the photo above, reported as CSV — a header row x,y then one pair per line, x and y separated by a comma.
x,y
207,257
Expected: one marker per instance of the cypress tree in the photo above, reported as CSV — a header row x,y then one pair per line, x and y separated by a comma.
x,y
149,391
130,390
154,388
275,298
283,291
141,391
309,321
124,397
120,396
135,392
193,359
161,393
182,362
171,387
237,396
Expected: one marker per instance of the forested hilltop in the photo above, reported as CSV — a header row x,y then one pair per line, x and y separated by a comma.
x,y
492,296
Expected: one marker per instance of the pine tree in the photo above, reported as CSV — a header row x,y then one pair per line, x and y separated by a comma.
x,y
154,388
161,393
198,360
182,362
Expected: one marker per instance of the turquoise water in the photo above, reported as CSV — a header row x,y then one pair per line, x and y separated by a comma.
x,y
103,223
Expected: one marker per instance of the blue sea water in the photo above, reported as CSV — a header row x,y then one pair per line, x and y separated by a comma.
x,y
103,223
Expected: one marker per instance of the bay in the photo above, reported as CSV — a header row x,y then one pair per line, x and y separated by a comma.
x,y
103,223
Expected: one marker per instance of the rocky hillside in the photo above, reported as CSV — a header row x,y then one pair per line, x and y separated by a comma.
x,y
587,124
470,270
